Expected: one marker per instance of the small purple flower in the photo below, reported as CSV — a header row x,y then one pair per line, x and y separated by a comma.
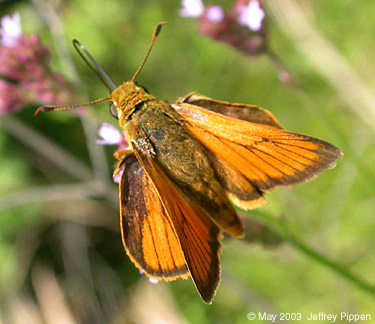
x,y
109,134
215,14
191,8
251,15
10,30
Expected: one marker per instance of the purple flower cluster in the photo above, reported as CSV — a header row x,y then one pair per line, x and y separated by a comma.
x,y
25,73
242,27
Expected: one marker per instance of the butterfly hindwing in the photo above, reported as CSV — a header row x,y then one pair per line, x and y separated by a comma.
x,y
249,113
239,189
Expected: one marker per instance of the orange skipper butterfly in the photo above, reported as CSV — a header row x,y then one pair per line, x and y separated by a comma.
x,y
186,163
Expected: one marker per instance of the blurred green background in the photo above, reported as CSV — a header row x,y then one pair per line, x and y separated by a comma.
x,y
61,256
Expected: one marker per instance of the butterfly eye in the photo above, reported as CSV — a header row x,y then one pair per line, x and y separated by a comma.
x,y
113,110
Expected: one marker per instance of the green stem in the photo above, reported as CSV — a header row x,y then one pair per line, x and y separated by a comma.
x,y
304,248
280,227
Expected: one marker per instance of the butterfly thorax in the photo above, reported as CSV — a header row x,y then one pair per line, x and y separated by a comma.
x,y
126,98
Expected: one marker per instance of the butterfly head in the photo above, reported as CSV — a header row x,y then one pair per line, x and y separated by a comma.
x,y
124,100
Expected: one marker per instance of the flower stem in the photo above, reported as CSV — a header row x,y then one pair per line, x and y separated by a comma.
x,y
281,227
304,248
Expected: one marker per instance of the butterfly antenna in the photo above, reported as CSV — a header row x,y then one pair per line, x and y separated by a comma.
x,y
154,35
98,70
53,108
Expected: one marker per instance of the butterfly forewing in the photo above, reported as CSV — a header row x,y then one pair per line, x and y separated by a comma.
x,y
267,156
199,237
148,234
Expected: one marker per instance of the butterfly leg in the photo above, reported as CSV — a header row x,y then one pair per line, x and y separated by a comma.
x,y
121,156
